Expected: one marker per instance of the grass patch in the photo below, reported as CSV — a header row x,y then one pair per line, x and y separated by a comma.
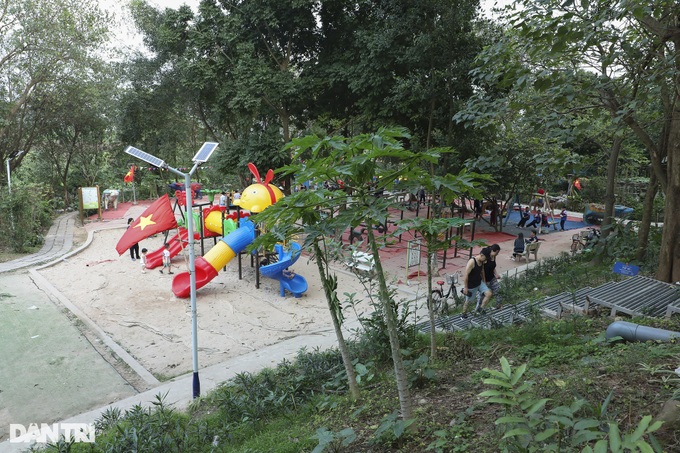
x,y
570,373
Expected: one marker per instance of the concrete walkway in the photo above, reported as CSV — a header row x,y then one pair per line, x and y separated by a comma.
x,y
178,392
58,242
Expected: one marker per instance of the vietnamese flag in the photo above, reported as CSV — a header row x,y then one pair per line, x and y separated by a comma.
x,y
130,176
156,218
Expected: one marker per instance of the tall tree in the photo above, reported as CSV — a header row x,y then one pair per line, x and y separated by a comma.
x,y
624,55
362,163
42,43
399,62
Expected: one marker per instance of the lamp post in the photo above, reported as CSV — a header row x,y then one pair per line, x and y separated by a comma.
x,y
9,180
201,156
14,155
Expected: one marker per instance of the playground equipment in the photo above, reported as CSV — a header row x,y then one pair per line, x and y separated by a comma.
x,y
212,227
177,243
594,212
296,284
255,198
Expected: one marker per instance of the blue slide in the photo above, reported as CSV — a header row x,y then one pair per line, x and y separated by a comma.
x,y
296,285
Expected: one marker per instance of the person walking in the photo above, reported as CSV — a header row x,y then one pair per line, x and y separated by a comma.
x,y
478,208
223,199
473,282
143,260
134,249
563,218
421,194
493,280
167,260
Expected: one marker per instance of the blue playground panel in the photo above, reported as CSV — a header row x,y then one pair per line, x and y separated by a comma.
x,y
568,225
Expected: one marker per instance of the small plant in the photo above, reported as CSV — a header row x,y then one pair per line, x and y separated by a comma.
x,y
108,419
669,378
419,371
456,439
333,441
527,426
391,429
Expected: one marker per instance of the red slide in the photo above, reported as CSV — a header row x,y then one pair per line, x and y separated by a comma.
x,y
177,243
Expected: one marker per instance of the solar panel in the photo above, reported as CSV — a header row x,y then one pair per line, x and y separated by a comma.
x,y
205,152
146,157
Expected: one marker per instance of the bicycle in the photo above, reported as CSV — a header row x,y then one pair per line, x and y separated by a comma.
x,y
440,300
584,239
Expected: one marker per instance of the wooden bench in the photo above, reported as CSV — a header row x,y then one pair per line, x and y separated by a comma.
x,y
530,248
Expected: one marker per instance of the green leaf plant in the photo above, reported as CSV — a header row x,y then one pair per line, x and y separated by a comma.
x,y
528,426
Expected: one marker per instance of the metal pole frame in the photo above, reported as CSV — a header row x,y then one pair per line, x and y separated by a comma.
x,y
196,385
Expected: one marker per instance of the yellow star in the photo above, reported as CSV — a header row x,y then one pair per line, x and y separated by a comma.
x,y
145,222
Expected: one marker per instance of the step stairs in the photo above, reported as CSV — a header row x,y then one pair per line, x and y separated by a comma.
x,y
634,296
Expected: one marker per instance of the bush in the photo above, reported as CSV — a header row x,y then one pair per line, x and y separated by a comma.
x,y
26,216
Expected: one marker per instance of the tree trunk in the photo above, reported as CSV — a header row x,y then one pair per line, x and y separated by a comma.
x,y
609,197
669,253
390,320
430,308
331,298
647,213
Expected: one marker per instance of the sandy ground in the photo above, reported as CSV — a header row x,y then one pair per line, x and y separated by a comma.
x,y
140,312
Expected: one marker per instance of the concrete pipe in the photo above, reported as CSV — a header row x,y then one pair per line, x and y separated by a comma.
x,y
635,332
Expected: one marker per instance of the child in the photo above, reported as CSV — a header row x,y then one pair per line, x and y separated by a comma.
x,y
288,273
518,246
532,238
167,260
563,218
143,260
134,248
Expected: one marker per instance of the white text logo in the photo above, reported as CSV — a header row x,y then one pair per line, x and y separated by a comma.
x,y
44,432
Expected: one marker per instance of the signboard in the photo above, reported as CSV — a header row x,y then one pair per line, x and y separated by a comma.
x,y
90,197
626,269
413,254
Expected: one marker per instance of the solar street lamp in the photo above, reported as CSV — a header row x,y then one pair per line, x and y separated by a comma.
x,y
201,156
13,155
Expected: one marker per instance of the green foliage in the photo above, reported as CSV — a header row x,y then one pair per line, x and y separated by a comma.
x,y
373,334
391,430
333,441
419,370
249,398
27,214
669,378
459,438
527,426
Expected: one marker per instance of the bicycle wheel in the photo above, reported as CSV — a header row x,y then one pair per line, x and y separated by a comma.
x,y
458,298
437,299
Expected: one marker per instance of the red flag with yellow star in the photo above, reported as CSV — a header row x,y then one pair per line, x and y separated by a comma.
x,y
156,218
130,176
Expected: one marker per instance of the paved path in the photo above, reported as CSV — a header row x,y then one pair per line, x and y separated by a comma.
x,y
58,242
58,245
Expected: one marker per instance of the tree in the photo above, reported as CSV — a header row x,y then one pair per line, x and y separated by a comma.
x,y
298,215
42,44
623,57
400,62
433,230
364,165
